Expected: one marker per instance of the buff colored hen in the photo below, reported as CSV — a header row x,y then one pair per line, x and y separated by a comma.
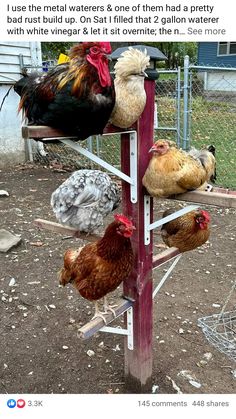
x,y
173,171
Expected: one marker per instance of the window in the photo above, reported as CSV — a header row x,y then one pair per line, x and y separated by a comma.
x,y
232,48
226,48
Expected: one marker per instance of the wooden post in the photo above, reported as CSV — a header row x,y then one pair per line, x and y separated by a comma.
x,y
138,362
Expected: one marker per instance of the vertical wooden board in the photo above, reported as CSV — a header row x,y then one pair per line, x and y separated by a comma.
x,y
138,363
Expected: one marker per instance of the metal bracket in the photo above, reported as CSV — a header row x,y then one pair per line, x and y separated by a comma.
x,y
148,227
133,167
126,332
132,179
166,275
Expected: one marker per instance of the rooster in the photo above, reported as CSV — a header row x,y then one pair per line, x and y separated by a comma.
x,y
100,267
187,231
174,171
129,87
76,97
84,199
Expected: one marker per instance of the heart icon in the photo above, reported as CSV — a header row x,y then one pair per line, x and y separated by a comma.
x,y
20,403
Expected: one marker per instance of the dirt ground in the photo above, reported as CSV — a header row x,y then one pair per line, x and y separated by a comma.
x,y
40,350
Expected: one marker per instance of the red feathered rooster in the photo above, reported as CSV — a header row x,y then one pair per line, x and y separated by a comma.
x,y
76,97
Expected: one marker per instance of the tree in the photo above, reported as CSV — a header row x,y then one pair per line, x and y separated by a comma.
x,y
176,51
52,50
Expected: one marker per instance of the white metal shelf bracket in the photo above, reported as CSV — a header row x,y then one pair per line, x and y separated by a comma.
x,y
148,227
164,278
132,179
126,332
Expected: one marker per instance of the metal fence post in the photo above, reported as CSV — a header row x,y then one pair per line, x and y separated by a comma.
x,y
178,99
186,116
90,144
190,104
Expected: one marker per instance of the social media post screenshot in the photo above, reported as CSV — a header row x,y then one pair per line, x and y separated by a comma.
x,y
117,208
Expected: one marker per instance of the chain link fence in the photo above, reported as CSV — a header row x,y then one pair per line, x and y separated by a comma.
x,y
168,105
212,119
195,107
60,156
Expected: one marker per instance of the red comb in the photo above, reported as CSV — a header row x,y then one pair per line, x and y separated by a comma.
x,y
123,219
106,46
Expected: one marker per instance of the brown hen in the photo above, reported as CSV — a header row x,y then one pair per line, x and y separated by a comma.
x,y
187,231
100,267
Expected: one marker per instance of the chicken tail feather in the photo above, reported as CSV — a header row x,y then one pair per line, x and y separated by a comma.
x,y
64,276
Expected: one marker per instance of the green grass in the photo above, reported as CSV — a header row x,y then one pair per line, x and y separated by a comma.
x,y
212,122
215,123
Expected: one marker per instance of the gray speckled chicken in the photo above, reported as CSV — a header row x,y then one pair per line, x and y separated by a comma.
x,y
84,199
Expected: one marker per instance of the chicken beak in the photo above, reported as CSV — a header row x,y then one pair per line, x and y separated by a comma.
x,y
151,149
129,231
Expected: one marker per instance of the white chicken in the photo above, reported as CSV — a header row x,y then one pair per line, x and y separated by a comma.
x,y
129,87
84,199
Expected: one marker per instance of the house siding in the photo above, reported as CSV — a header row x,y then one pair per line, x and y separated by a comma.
x,y
10,53
207,55
12,147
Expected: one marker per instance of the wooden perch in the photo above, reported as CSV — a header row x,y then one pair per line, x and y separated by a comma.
x,y
40,132
219,199
165,256
45,133
68,231
92,327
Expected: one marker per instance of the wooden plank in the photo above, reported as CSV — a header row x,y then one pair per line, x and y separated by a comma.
x,y
138,362
45,133
38,132
164,256
219,199
68,231
92,327
223,190
112,129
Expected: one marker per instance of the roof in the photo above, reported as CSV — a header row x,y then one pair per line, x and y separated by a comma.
x,y
152,52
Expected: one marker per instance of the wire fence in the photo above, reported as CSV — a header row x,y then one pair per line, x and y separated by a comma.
x,y
60,156
194,111
213,118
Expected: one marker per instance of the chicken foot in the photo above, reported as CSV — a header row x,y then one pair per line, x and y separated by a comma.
x,y
99,313
108,307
